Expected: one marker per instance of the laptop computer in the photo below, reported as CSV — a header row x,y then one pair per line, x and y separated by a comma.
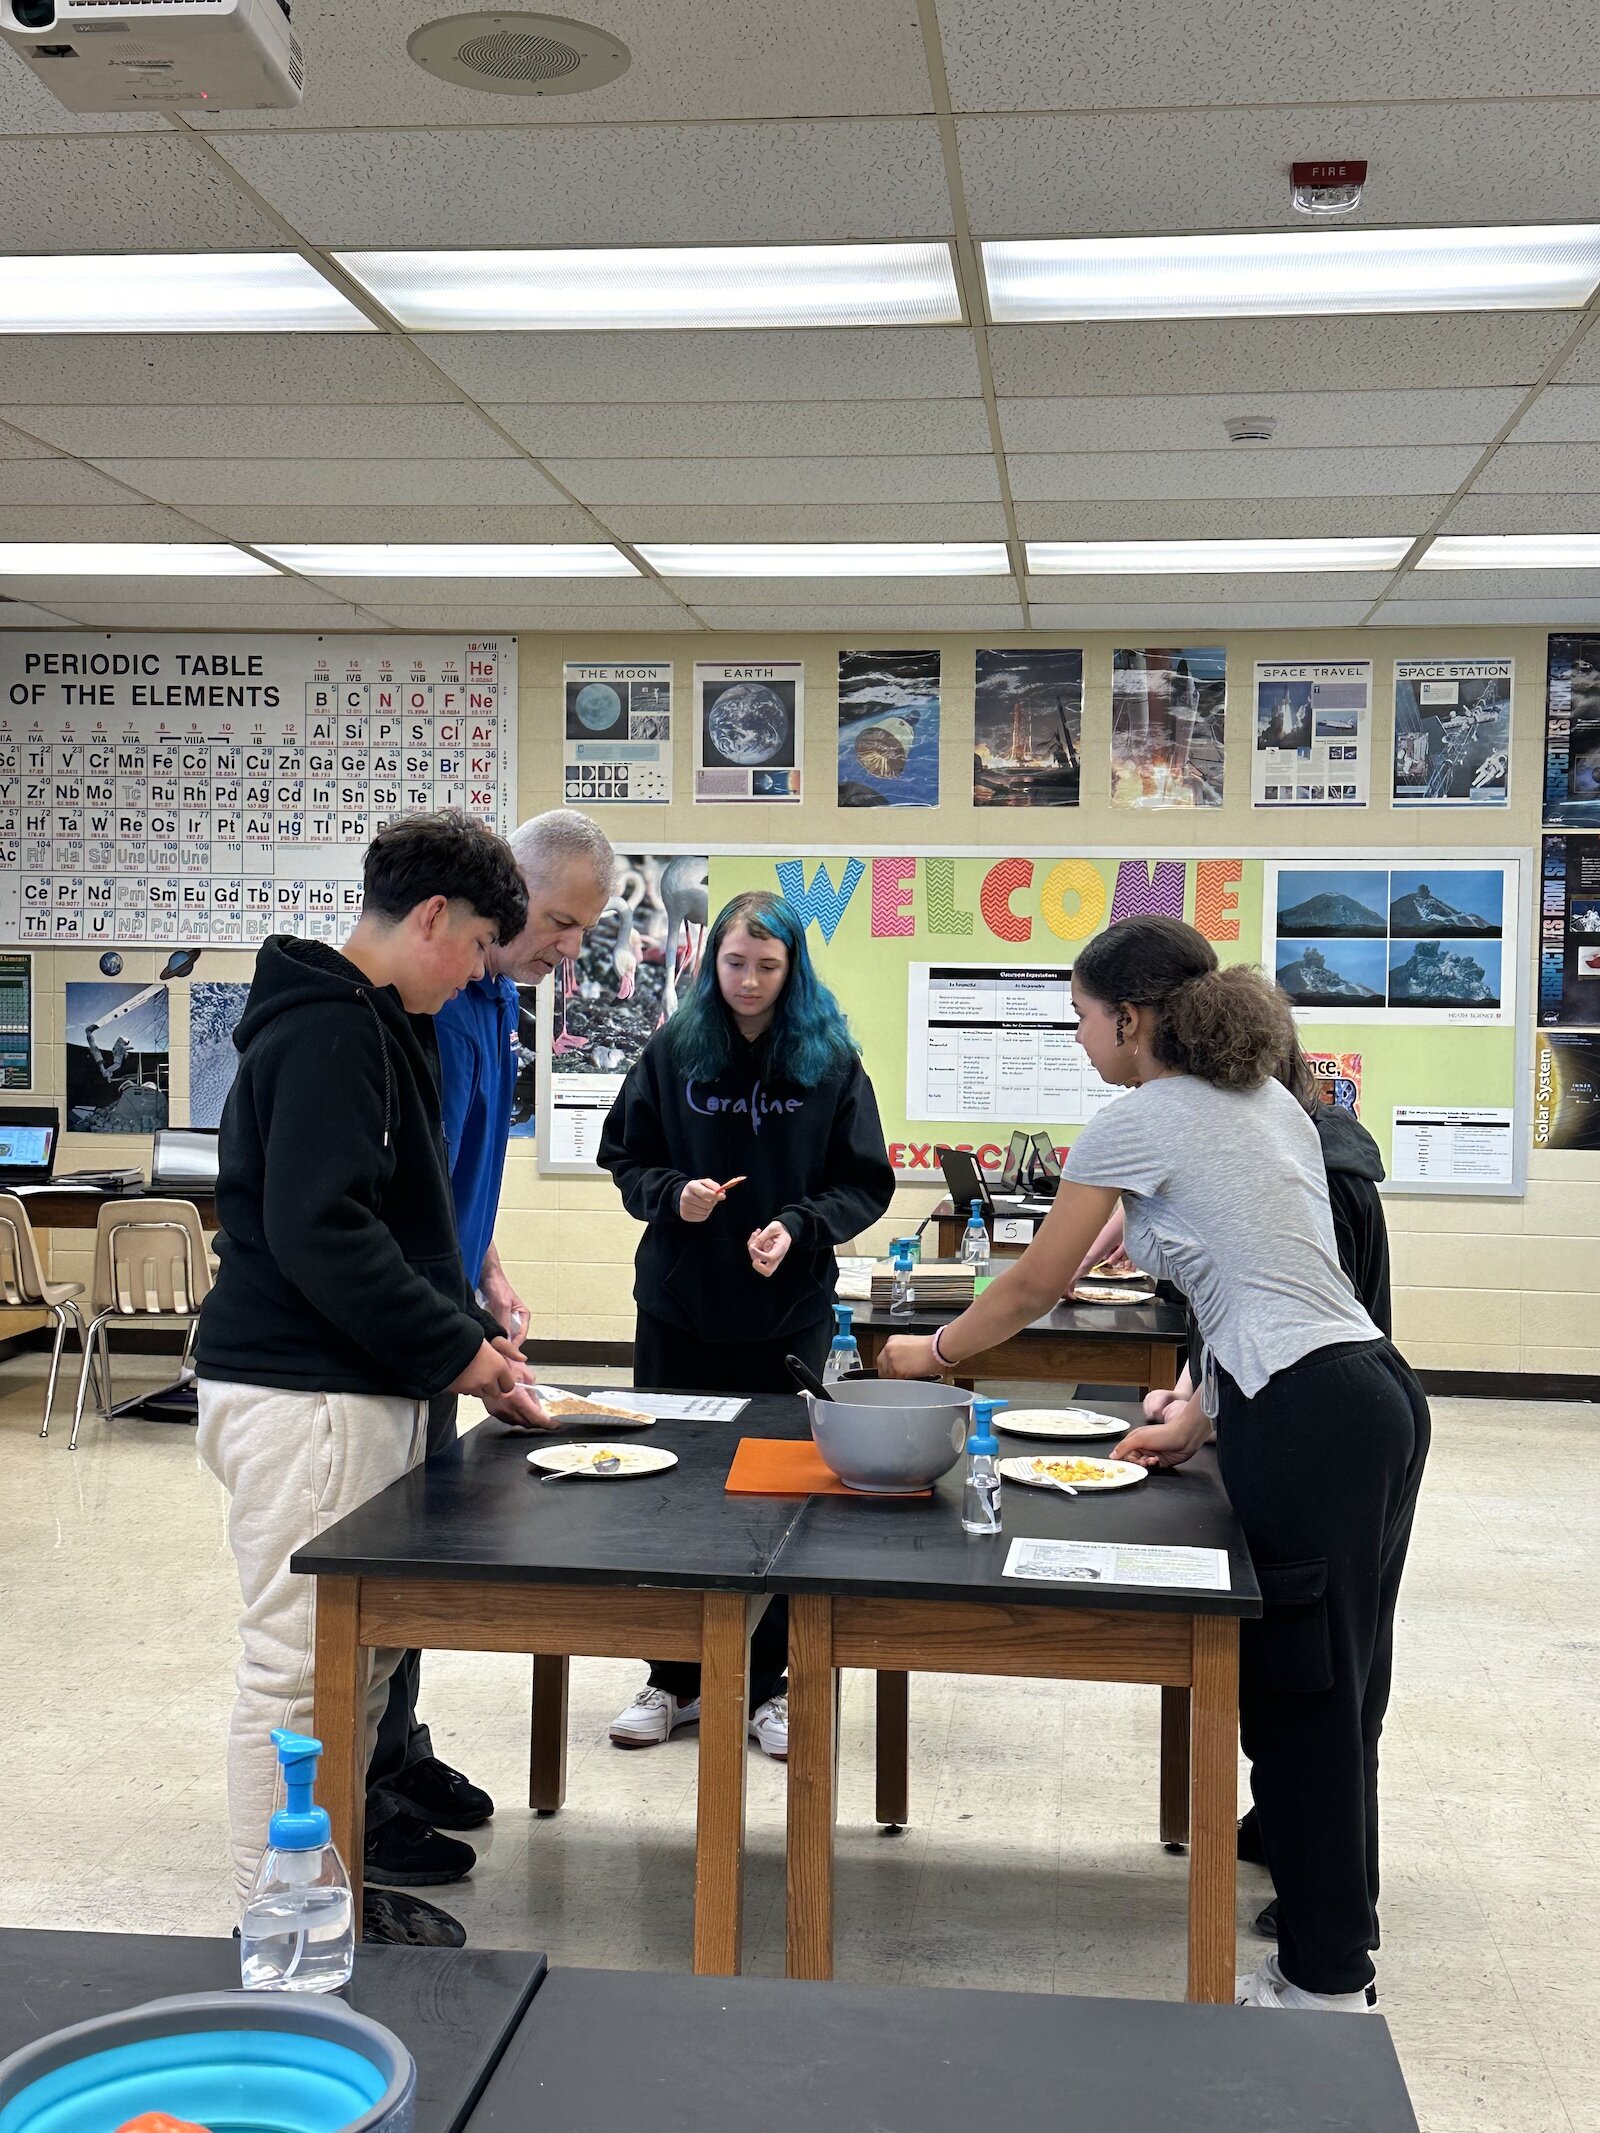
x,y
184,1159
29,1137
965,1179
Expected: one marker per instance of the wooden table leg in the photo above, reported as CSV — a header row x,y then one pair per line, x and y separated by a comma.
x,y
1175,1768
719,1836
547,1734
1214,1757
339,1713
894,1759
812,1736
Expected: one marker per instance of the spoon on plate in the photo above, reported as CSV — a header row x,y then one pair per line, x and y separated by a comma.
x,y
607,1465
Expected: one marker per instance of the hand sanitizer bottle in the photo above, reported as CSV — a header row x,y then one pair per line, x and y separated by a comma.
x,y
980,1498
901,1294
298,1929
975,1241
844,1356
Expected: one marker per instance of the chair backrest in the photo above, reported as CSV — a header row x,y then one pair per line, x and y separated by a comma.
x,y
21,1276
150,1259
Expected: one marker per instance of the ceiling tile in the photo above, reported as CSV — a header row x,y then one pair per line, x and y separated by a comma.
x,y
830,181
716,60
1492,585
847,592
1235,588
133,192
1578,513
1584,365
1231,518
1012,55
20,615
182,615
657,616
124,521
1229,170
1239,355
57,481
214,369
1197,421
1204,624
614,595
212,593
845,481
26,106
807,522
1510,614
1245,471
278,523
758,429
1562,413
429,431
873,622
15,445
1540,470
844,363
335,481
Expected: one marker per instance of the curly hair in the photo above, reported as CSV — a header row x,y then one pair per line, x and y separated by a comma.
x,y
449,854
1229,1027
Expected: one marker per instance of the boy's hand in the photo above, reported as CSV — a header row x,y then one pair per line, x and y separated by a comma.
x,y
522,1409
489,1375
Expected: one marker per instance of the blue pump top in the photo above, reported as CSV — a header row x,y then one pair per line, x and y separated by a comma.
x,y
982,1440
842,1335
975,1221
299,1826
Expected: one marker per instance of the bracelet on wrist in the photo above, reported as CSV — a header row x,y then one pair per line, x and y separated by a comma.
x,y
945,1362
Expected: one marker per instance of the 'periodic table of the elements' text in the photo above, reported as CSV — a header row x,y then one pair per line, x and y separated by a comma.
x,y
212,790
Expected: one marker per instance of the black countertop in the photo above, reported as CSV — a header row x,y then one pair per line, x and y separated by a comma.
x,y
1140,1322
607,2051
453,2008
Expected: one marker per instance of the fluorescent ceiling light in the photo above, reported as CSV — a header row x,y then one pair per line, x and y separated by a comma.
x,y
173,292
827,559
1514,551
452,559
665,286
129,559
1550,268
1153,558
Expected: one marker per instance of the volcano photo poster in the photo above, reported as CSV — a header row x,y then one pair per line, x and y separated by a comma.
x,y
889,729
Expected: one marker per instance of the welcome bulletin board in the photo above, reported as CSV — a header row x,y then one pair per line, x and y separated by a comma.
x,y
1409,975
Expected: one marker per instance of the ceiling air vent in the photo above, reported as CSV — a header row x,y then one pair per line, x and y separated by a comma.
x,y
519,55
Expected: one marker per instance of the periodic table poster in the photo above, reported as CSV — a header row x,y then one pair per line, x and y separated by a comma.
x,y
211,790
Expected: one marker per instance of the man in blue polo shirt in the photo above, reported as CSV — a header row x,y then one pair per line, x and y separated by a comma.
x,y
567,864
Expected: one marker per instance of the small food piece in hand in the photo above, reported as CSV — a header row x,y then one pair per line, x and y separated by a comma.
x,y
739,1180
1116,1266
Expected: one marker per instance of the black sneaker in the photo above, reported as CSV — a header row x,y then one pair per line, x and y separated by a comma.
x,y
442,1796
406,1853
391,1920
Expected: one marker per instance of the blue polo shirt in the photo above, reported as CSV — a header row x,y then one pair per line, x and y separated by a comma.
x,y
477,1033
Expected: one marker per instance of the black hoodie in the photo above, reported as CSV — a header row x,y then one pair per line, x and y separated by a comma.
x,y
1354,1164
340,1270
813,1157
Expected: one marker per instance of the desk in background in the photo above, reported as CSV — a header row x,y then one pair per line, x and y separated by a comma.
x,y
1142,1345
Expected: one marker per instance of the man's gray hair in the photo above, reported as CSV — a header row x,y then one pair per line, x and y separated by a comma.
x,y
548,844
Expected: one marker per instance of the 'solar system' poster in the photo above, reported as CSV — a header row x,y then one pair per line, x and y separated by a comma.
x,y
1566,1090
618,746
1312,733
1452,732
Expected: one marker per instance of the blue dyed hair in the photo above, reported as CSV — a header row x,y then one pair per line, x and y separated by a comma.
x,y
811,1036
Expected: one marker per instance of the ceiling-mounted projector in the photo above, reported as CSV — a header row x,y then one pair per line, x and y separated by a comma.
x,y
143,55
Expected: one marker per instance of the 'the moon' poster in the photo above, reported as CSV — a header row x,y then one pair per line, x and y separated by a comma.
x,y
618,733
748,731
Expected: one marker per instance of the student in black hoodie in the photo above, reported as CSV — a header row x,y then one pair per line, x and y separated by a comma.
x,y
340,1305
747,1139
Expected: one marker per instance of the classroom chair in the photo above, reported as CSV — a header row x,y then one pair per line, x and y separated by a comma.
x,y
150,1268
23,1287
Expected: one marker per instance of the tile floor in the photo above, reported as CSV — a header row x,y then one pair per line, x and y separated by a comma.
x,y
1031,1862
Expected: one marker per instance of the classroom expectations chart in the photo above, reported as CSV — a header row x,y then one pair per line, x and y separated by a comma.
x,y
990,1044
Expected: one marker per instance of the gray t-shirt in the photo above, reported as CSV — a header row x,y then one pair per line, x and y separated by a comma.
x,y
1224,1194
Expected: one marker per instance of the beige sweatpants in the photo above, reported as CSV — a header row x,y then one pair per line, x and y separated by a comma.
x,y
293,1463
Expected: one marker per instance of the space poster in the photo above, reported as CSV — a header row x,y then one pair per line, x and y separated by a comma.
x,y
889,729
749,729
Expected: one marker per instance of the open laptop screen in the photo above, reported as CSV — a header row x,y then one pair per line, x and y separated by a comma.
x,y
28,1135
184,1155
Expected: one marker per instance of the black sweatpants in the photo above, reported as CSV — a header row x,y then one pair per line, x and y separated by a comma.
x,y
1323,1467
666,1359
402,1738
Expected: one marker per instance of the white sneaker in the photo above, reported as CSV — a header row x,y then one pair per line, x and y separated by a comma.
x,y
1268,1987
651,1718
769,1726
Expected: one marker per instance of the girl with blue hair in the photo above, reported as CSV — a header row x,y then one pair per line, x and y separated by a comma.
x,y
747,1141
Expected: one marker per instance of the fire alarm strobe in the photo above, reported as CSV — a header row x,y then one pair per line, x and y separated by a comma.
x,y
1330,188
144,55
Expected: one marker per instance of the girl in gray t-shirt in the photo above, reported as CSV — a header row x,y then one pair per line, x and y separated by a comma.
x,y
1321,1428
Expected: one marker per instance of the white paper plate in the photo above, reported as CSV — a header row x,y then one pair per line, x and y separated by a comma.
x,y
1116,1473
1079,1422
1110,1292
595,1417
636,1459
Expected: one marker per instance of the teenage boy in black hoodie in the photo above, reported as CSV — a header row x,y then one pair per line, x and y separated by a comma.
x,y
340,1306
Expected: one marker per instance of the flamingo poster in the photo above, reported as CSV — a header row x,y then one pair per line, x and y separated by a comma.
x,y
604,1006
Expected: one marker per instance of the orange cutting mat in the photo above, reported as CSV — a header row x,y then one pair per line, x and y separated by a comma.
x,y
789,1466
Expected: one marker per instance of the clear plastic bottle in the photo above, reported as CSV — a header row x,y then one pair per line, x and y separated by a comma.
x,y
298,1929
975,1241
844,1356
980,1495
902,1296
